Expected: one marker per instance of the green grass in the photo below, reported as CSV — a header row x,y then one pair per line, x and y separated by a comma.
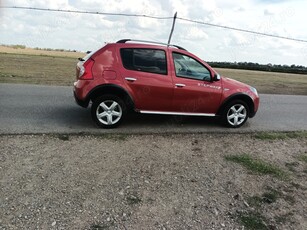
x,y
270,196
102,226
63,137
284,218
256,165
255,201
98,227
133,199
303,158
280,135
292,166
253,221
267,197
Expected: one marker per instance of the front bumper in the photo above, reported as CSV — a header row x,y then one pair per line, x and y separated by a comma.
x,y
256,107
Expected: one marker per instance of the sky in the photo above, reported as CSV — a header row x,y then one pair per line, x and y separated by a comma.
x,y
85,32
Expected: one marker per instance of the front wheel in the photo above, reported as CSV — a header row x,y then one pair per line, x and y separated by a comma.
x,y
108,111
235,114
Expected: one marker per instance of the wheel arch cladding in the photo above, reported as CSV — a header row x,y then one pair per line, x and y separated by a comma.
x,y
239,96
112,90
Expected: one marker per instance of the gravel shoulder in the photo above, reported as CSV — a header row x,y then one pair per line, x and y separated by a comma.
x,y
149,182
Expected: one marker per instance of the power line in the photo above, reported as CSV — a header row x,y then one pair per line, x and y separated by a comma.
x,y
158,18
241,30
85,12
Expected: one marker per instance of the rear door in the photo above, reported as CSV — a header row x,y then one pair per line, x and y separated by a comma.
x,y
145,73
194,92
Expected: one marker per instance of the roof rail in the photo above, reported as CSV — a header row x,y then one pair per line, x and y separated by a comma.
x,y
143,41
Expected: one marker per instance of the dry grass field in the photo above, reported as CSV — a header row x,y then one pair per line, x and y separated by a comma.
x,y
58,68
37,69
32,66
270,82
30,51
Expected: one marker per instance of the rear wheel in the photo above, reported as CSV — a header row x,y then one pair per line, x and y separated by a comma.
x,y
108,111
235,114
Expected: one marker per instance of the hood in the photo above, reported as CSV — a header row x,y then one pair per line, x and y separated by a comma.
x,y
231,83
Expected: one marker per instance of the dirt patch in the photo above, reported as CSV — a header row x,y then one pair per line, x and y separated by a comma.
x,y
150,182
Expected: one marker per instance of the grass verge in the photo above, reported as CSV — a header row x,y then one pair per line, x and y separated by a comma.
x,y
280,135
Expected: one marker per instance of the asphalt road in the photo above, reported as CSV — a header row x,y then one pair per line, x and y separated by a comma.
x,y
51,109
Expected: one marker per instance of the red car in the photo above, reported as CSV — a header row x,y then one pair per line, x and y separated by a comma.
x,y
156,78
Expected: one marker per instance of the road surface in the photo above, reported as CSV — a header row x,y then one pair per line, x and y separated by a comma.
x,y
51,109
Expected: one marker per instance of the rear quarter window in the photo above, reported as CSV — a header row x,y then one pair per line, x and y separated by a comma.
x,y
145,60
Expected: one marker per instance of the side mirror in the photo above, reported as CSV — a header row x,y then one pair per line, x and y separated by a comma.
x,y
216,77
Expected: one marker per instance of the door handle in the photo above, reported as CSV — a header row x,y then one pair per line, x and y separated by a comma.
x,y
130,79
180,85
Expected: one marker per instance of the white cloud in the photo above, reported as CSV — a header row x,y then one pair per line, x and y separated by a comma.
x,y
87,32
40,3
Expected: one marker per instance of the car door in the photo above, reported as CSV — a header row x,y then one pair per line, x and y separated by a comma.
x,y
145,72
194,91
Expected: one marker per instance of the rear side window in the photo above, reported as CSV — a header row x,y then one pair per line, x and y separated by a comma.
x,y
145,60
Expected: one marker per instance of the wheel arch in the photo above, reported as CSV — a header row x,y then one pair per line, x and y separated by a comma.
x,y
113,90
238,96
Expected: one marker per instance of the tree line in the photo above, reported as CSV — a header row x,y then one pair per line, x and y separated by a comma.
x,y
297,69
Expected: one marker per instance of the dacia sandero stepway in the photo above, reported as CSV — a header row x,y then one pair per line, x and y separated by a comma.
x,y
156,78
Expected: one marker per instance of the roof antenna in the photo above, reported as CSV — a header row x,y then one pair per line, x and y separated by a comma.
x,y
172,30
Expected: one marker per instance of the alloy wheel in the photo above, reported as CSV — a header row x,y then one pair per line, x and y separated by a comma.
x,y
109,112
236,115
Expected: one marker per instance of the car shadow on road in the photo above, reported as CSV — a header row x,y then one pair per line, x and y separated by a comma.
x,y
71,117
76,119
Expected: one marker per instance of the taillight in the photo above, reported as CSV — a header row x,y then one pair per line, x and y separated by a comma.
x,y
85,70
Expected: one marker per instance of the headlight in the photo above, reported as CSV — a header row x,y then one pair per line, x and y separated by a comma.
x,y
254,90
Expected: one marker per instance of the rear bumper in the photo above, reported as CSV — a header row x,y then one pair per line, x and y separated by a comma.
x,y
82,103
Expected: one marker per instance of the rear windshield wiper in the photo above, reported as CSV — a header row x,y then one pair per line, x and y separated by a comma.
x,y
81,59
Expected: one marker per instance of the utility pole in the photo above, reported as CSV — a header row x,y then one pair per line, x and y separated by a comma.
x,y
172,30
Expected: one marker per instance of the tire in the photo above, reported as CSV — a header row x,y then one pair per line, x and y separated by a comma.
x,y
108,111
235,114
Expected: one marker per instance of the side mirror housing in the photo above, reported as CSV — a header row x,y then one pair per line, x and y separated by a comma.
x,y
216,77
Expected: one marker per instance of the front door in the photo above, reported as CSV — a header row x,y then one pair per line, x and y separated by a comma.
x,y
194,92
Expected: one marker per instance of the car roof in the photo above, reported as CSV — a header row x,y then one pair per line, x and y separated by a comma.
x,y
151,43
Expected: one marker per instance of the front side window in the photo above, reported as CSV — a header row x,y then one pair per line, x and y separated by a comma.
x,y
188,67
145,60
